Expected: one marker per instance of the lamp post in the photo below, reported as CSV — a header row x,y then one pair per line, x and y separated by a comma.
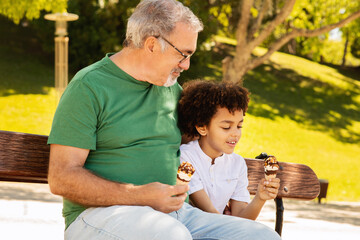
x,y
61,48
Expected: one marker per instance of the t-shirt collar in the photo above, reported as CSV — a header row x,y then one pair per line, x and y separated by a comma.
x,y
204,156
121,72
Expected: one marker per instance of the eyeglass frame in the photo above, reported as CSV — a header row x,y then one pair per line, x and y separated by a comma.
x,y
186,56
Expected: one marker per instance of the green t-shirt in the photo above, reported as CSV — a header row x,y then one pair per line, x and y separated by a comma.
x,y
129,126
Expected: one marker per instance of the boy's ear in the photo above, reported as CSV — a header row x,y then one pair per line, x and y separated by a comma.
x,y
201,130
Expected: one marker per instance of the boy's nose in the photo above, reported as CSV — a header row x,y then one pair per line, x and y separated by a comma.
x,y
236,133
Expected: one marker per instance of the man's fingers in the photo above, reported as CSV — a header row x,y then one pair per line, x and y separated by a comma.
x,y
175,203
179,189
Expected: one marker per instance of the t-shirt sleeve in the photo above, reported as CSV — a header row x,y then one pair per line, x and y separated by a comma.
x,y
195,184
241,192
75,119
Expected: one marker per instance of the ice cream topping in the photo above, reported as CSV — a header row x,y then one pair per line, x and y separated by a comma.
x,y
185,171
184,177
271,165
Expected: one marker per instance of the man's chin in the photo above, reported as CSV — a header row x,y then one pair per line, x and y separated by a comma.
x,y
170,82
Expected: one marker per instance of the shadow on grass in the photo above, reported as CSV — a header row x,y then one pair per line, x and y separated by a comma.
x,y
317,105
350,72
24,67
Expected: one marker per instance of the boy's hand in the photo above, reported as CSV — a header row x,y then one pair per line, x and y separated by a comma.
x,y
268,189
227,210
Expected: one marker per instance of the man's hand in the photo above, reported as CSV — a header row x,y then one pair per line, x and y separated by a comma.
x,y
268,189
162,197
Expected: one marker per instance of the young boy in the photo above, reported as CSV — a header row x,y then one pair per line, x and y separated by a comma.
x,y
214,112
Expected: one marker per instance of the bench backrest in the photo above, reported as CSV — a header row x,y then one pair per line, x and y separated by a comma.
x,y
25,158
296,180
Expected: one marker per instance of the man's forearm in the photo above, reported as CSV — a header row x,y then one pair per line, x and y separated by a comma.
x,y
81,186
85,188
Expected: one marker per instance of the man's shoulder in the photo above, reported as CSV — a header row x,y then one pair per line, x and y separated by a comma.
x,y
90,71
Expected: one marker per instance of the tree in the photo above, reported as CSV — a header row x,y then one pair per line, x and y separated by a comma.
x,y
355,48
352,36
29,9
258,19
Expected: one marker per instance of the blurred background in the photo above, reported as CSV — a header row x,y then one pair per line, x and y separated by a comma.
x,y
299,59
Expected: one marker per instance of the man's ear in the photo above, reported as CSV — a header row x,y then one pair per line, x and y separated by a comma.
x,y
201,130
149,44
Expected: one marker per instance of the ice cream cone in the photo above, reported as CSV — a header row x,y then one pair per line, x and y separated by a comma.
x,y
270,176
181,182
184,173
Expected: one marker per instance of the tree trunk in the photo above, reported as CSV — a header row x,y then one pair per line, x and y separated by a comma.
x,y
345,50
291,46
232,72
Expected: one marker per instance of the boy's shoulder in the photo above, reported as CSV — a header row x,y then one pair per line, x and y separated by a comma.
x,y
234,158
190,146
191,151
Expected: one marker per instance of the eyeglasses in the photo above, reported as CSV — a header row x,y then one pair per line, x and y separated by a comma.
x,y
185,56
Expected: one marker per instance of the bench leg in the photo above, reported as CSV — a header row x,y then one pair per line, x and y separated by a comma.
x,y
279,215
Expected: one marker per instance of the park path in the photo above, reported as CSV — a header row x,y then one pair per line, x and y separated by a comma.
x,y
30,211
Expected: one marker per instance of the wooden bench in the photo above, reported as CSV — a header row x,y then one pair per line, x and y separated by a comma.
x,y
25,158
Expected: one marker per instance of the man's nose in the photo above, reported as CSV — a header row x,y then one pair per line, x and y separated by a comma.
x,y
185,65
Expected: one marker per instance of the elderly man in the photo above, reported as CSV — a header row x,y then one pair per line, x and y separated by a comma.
x,y
115,142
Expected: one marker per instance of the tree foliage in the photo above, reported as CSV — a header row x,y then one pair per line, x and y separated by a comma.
x,y
355,48
99,29
29,9
260,19
353,33
312,14
271,23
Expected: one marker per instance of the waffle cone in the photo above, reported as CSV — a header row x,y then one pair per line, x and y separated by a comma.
x,y
181,182
270,176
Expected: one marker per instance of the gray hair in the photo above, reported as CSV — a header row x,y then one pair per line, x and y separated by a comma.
x,y
158,18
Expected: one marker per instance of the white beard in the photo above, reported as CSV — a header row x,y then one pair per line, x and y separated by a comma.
x,y
170,81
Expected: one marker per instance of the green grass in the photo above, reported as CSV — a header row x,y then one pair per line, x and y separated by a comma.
x,y
27,96
30,113
300,111
307,113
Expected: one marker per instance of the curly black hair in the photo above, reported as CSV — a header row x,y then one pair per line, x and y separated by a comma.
x,y
200,100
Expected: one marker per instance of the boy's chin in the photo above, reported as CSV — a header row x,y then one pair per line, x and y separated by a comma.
x,y
229,151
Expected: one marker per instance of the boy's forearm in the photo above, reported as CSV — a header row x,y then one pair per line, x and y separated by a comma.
x,y
249,211
201,200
